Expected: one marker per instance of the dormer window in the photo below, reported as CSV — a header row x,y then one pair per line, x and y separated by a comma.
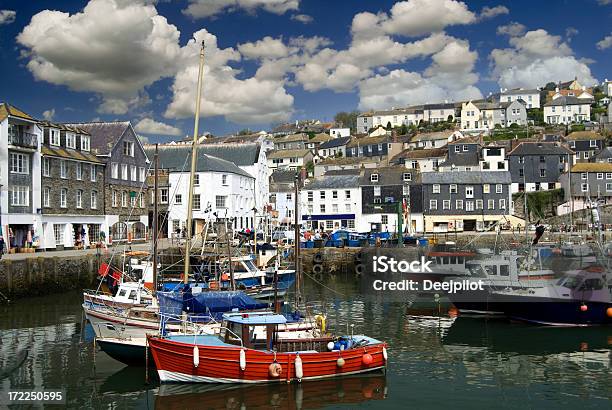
x,y
54,137
374,178
85,143
70,140
593,143
407,176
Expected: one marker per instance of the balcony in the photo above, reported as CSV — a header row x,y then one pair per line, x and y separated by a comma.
x,y
23,139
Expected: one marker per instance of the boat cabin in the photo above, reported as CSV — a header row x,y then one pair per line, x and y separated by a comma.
x,y
129,292
251,330
508,269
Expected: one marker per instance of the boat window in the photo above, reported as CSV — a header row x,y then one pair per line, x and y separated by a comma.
x,y
446,260
460,260
122,293
250,266
133,294
592,284
504,270
570,282
239,267
476,270
439,260
491,270
453,260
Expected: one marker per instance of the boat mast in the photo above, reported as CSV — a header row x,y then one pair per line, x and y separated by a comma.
x,y
569,189
296,243
193,167
155,220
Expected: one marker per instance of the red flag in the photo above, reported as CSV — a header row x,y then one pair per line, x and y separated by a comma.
x,y
103,269
117,277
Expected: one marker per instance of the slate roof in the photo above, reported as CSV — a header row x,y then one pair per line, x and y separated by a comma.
x,y
519,91
345,160
422,153
48,151
369,140
604,153
239,154
282,176
568,100
386,176
439,106
64,127
288,153
539,148
592,167
104,135
333,181
180,161
335,142
432,136
585,135
468,159
322,137
466,177
349,171
292,138
7,110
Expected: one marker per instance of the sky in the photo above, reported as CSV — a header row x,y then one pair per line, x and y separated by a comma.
x,y
272,61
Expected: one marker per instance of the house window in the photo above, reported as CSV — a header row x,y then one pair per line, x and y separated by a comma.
x,y
446,204
384,219
92,173
600,175
70,141
521,172
502,204
584,187
94,200
124,199
54,137
436,188
469,206
115,170
491,204
114,198
380,147
469,192
322,208
465,148
85,143
220,201
378,200
479,204
457,148
593,143
128,148
63,171
374,178
335,194
351,224
133,172
335,208
542,173
63,197
58,233
376,191
486,188
20,163
133,199
414,164
47,197
196,180
322,194
163,196
142,173
46,167
433,204
453,189
310,196
459,204
79,198
584,175
124,172
288,196
521,160
329,224
224,179
141,201
196,202
407,176
79,171
347,207
178,199
542,159
499,188
608,175
20,196
347,194
586,154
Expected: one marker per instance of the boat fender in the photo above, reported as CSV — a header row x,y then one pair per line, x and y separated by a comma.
x,y
275,369
608,312
242,360
584,308
196,356
385,353
317,270
367,359
330,345
299,371
318,258
340,362
320,319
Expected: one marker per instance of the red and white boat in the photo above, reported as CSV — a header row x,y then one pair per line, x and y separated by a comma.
x,y
248,350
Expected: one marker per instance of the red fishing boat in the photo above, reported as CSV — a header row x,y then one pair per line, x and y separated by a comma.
x,y
240,354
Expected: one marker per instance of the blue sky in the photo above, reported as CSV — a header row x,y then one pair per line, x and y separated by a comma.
x,y
269,61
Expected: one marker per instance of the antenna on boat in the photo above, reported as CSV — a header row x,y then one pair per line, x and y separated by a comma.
x,y
155,216
194,160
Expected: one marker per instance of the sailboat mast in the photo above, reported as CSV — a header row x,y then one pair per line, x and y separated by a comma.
x,y
194,150
296,243
155,216
571,194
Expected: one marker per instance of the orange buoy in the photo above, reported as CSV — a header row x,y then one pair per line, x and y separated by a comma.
x,y
275,369
224,277
453,312
584,308
609,312
584,346
367,359
340,362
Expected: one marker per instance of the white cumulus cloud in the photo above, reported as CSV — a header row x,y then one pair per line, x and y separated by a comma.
x,y
7,16
49,114
605,43
490,12
302,18
512,29
150,126
267,47
209,8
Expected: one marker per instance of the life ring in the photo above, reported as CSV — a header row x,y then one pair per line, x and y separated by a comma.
x,y
317,269
275,369
213,285
317,258
359,268
225,276
320,319
358,256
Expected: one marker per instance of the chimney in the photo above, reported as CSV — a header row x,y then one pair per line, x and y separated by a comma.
x,y
303,174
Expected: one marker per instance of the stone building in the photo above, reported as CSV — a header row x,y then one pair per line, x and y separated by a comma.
x,y
72,188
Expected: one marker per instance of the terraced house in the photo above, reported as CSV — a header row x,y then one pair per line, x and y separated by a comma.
x,y
20,219
125,171
72,189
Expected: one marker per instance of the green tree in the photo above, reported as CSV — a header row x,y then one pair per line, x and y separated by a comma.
x,y
347,119
403,129
449,119
389,125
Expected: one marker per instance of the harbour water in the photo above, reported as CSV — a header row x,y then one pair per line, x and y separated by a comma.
x,y
436,360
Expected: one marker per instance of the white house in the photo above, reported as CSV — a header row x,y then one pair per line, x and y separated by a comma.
x,y
331,202
433,139
423,160
493,158
607,87
293,159
438,112
20,177
395,117
484,116
531,97
335,147
567,109
340,132
222,191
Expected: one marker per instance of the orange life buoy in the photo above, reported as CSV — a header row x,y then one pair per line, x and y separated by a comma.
x,y
225,276
275,369
213,284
